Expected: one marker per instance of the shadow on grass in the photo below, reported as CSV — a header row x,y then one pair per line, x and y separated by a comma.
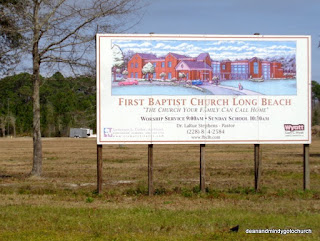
x,y
232,193
299,154
5,176
17,176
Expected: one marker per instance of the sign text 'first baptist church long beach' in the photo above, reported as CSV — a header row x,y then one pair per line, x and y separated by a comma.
x,y
203,89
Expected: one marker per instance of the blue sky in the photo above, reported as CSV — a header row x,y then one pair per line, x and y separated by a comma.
x,y
237,17
218,49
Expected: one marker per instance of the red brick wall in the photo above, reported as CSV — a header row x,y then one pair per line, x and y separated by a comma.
x,y
158,68
208,60
225,72
135,59
251,69
171,69
276,70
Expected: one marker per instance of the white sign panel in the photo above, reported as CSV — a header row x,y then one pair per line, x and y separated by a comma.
x,y
203,89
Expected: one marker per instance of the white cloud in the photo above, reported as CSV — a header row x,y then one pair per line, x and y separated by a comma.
x,y
225,42
217,49
132,45
159,45
146,44
281,47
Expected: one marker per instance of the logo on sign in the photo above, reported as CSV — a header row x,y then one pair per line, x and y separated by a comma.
x,y
107,132
290,127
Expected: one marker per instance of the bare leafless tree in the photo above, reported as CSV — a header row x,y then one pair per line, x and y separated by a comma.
x,y
60,34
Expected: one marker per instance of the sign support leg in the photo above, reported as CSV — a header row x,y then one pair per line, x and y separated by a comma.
x,y
306,169
99,169
257,166
150,169
202,168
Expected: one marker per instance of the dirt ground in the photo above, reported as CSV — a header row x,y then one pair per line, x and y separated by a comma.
x,y
71,163
62,204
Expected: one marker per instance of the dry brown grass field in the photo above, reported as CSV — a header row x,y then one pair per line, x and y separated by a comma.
x,y
177,211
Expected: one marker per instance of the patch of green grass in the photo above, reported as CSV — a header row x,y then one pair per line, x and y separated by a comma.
x,y
89,199
234,151
298,194
52,158
242,190
124,160
160,191
122,147
186,192
140,190
28,189
144,223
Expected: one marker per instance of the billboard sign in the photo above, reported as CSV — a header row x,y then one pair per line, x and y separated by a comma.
x,y
203,89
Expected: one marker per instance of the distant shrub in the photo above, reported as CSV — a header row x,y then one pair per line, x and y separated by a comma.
x,y
89,200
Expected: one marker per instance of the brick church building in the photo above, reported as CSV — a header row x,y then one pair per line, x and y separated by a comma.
x,y
203,67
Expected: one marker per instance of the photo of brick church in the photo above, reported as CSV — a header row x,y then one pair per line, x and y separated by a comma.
x,y
203,67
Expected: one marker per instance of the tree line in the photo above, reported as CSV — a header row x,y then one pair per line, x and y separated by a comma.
x,y
65,103
315,103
